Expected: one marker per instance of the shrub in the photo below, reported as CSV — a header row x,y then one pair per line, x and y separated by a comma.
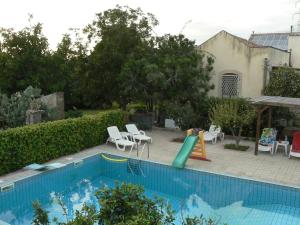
x,y
285,82
73,113
42,142
127,204
183,115
13,109
136,107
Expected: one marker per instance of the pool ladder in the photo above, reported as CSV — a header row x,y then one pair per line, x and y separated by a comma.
x,y
78,163
134,167
7,187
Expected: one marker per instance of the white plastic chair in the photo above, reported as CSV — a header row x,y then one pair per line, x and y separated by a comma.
x,y
218,132
210,137
213,134
212,128
120,141
137,135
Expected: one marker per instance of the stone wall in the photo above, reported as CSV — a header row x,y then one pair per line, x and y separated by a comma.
x,y
55,101
33,116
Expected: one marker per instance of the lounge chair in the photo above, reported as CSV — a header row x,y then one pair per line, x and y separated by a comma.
x,y
120,141
212,128
267,140
210,137
219,133
213,134
136,134
295,147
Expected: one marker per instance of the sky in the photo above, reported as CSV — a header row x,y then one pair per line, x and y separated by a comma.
x,y
203,18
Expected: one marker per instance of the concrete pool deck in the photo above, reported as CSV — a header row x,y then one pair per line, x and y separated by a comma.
x,y
265,167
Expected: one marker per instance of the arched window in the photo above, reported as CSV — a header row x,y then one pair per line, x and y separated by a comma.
x,y
230,83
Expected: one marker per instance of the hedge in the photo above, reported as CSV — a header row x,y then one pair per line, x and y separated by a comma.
x,y
42,142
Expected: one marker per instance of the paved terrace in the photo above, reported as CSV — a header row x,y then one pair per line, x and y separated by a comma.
x,y
275,169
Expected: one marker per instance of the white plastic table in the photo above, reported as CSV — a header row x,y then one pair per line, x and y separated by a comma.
x,y
284,144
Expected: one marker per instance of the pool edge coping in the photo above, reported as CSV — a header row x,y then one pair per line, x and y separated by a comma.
x,y
206,171
13,181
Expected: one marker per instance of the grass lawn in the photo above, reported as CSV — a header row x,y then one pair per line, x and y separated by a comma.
x,y
93,111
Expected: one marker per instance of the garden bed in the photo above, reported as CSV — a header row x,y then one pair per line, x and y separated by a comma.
x,y
236,147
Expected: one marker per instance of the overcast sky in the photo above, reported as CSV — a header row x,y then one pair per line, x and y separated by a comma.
x,y
207,17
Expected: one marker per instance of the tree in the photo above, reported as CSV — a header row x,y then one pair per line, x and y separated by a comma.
x,y
120,34
185,71
140,79
234,114
186,74
172,74
69,66
285,82
24,57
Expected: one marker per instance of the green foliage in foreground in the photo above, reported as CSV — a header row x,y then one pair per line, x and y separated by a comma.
x,y
42,142
234,114
126,204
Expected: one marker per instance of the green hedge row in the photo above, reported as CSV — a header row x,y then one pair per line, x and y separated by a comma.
x,y
42,142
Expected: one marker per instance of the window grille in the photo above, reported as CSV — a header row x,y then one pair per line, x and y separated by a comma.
x,y
230,85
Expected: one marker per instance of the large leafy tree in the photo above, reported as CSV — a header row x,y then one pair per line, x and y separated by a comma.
x,y
69,66
119,34
24,57
123,63
172,74
185,71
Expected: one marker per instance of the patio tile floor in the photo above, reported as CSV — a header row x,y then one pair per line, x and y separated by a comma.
x,y
276,169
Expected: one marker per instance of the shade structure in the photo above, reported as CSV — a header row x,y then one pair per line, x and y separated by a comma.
x,y
263,103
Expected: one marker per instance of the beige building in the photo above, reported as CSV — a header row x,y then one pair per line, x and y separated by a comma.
x,y
242,66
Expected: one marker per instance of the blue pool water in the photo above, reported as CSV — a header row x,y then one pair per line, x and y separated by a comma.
x,y
225,199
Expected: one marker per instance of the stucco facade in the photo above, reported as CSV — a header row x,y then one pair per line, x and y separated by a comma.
x,y
294,46
237,56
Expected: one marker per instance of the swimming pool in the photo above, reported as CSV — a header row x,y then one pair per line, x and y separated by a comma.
x,y
225,199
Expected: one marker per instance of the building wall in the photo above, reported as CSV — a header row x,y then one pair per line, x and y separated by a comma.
x,y
294,45
55,101
233,55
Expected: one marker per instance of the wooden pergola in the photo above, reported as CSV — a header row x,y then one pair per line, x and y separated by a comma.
x,y
264,103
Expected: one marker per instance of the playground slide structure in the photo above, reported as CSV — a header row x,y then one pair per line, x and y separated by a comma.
x,y
185,151
193,147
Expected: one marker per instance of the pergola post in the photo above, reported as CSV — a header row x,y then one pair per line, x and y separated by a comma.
x,y
264,102
270,117
257,131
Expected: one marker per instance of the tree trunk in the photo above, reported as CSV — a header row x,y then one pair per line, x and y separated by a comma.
x,y
238,136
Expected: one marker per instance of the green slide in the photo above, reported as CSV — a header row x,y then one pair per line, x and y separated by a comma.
x,y
185,151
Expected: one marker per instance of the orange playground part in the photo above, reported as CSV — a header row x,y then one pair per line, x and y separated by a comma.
x,y
199,151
